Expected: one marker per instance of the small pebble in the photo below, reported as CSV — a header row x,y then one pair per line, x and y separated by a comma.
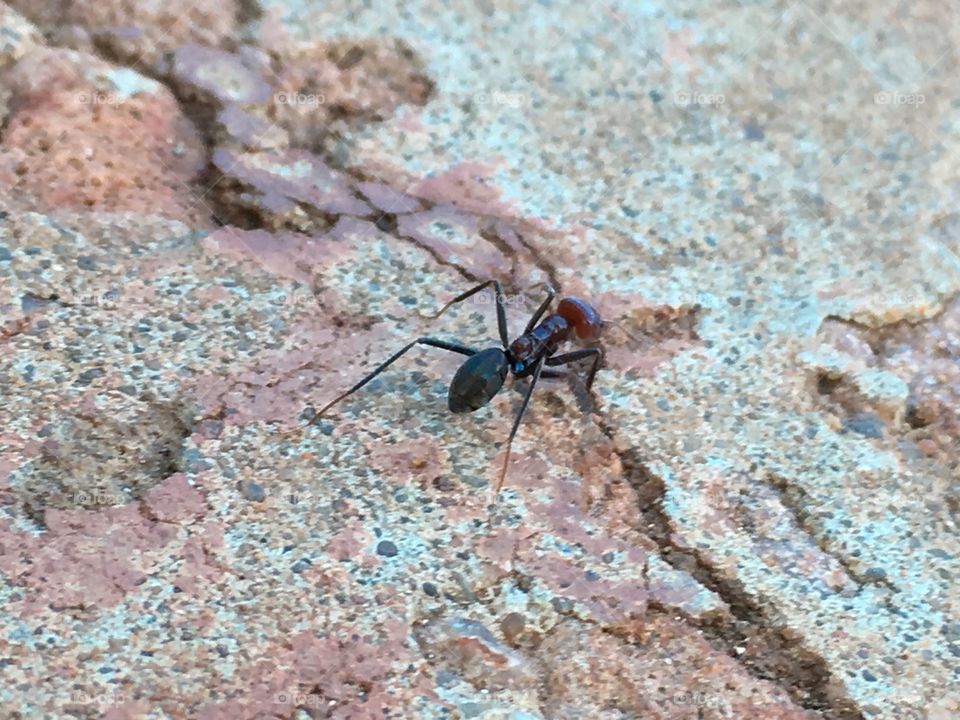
x,y
87,376
386,548
29,301
867,424
252,492
511,626
430,589
928,447
876,573
300,565
752,131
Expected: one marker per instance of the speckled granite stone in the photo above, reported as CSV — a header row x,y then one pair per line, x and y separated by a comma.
x,y
755,516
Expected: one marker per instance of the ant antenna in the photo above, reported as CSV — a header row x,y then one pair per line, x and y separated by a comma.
x,y
621,328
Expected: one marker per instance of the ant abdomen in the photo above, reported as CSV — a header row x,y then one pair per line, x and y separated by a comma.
x,y
582,316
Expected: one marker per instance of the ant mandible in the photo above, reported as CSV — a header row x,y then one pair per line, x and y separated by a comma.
x,y
482,375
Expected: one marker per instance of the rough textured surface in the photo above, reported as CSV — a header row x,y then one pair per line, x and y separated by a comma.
x,y
756,514
140,32
81,133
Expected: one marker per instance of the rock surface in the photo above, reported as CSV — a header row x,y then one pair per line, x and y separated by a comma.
x,y
217,217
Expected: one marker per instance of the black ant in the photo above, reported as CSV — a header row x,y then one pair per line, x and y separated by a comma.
x,y
483,374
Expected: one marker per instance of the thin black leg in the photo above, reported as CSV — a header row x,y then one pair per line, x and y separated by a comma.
x,y
542,309
552,374
442,344
570,357
516,423
500,303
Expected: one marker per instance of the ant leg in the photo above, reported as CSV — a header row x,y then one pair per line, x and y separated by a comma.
x,y
443,345
552,374
570,357
542,309
516,423
500,302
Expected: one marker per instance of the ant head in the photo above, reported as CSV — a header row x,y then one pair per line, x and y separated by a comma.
x,y
478,380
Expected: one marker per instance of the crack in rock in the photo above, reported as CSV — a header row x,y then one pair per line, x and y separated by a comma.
x,y
780,657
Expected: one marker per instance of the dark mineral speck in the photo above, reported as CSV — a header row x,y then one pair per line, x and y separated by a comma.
x,y
512,626
31,302
752,131
88,376
876,573
386,548
867,424
253,492
444,483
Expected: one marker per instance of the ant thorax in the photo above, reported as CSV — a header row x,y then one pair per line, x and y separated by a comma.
x,y
527,349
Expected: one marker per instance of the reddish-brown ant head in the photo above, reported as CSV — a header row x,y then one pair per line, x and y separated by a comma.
x,y
582,316
478,380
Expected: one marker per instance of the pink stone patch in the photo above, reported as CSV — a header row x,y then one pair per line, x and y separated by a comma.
x,y
287,255
385,198
221,74
285,177
467,186
86,559
174,500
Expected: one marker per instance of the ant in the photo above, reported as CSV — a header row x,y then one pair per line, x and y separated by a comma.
x,y
482,375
